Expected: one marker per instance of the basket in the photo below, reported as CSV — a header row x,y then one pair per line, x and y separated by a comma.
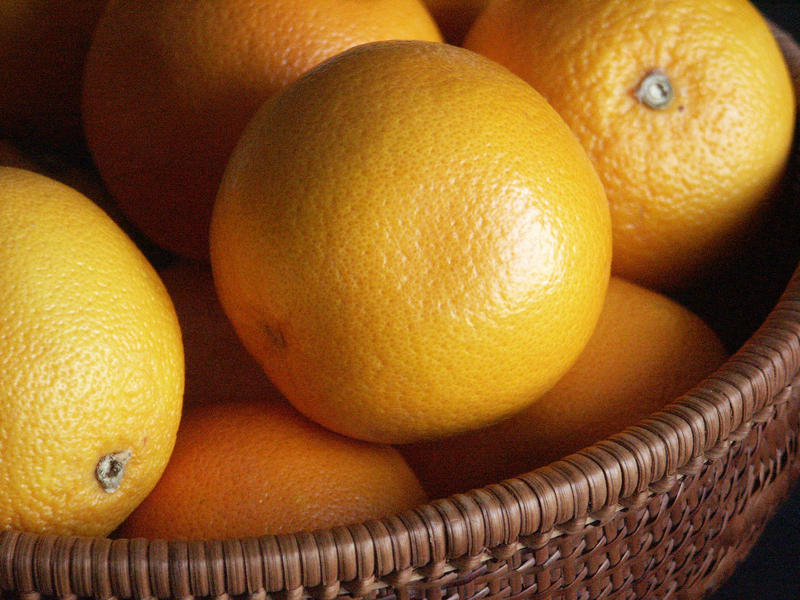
x,y
664,509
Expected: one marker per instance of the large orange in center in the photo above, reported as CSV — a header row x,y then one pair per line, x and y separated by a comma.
x,y
411,241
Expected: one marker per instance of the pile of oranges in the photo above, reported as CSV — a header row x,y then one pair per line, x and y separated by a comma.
x,y
270,266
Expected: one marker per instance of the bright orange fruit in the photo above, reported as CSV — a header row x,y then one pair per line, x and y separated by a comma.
x,y
256,466
646,351
411,242
91,363
685,107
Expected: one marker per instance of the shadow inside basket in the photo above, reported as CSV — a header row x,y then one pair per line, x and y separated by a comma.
x,y
736,297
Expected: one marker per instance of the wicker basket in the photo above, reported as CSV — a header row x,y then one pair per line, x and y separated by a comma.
x,y
665,509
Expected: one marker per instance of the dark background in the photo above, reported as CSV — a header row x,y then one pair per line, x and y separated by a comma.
x,y
772,570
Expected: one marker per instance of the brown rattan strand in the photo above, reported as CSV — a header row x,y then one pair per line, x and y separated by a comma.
x,y
665,509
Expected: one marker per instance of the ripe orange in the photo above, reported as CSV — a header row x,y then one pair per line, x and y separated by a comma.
x,y
257,467
684,180
646,351
411,242
454,17
91,363
218,367
169,86
43,45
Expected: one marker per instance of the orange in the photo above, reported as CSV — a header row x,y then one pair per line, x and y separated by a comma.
x,y
218,367
454,17
411,242
43,46
91,363
169,86
257,467
646,351
686,177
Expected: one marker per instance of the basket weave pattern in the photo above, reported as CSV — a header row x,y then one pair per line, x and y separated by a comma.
x,y
680,537
665,509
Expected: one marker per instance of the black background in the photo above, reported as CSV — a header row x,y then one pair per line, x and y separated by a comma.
x,y
772,570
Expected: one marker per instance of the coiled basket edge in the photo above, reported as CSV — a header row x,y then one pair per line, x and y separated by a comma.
x,y
665,509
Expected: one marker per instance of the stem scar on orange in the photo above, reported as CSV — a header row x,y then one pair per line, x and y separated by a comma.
x,y
91,363
685,107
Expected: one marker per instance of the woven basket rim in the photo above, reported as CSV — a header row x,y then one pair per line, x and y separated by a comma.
x,y
563,497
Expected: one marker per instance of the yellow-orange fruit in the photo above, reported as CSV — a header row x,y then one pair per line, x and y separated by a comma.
x,y
686,109
256,466
646,351
411,242
91,363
